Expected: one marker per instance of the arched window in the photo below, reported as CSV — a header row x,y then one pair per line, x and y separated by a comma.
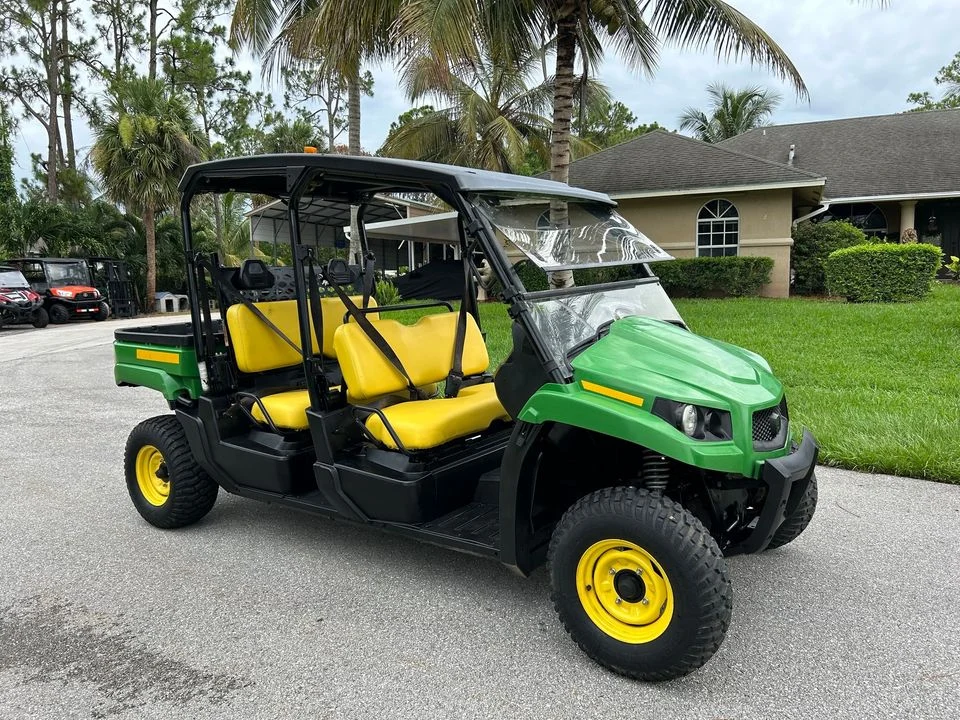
x,y
718,229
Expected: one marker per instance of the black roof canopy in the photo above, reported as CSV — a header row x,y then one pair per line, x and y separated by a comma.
x,y
346,176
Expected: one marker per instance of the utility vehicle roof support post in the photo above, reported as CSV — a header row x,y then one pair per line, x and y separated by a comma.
x,y
303,306
513,289
192,290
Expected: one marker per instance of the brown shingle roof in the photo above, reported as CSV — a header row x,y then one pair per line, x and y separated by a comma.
x,y
908,153
662,161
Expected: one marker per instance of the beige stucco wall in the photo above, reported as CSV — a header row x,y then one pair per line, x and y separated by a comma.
x,y
765,223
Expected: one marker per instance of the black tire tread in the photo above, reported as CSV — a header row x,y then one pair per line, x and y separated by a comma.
x,y
792,526
192,493
698,548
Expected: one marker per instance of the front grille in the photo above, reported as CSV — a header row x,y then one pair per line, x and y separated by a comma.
x,y
89,295
770,426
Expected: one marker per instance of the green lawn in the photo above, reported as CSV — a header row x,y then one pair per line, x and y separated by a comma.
x,y
879,385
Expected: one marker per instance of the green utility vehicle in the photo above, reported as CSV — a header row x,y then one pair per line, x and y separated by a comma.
x,y
626,452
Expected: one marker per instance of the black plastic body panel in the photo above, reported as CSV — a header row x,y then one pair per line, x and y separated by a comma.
x,y
786,480
393,487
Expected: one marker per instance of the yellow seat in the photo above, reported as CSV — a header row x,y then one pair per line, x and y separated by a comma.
x,y
288,410
258,348
426,351
423,424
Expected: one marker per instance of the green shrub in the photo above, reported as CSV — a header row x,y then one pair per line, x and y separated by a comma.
x,y
812,245
731,276
883,272
532,277
386,293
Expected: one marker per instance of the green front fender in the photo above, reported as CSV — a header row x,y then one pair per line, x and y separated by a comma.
x,y
572,405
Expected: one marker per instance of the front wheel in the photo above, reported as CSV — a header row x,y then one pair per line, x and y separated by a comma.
x,y
59,314
639,584
103,312
40,318
167,486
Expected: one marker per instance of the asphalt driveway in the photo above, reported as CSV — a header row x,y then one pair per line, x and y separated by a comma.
x,y
261,612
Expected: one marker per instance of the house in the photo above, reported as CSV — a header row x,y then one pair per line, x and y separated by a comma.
x,y
885,173
694,199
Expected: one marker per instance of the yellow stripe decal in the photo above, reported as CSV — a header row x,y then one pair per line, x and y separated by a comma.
x,y
157,356
610,392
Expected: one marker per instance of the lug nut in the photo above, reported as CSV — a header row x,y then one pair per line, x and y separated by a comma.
x,y
644,602
618,601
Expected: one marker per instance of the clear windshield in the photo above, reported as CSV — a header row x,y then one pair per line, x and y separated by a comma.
x,y
565,322
13,279
592,235
60,274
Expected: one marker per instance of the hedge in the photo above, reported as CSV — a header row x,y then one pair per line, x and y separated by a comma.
x,y
883,272
685,277
730,276
812,245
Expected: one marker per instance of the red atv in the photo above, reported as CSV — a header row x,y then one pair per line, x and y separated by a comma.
x,y
65,286
18,303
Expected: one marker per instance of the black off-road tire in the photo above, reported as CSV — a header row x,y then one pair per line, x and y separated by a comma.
x,y
40,318
59,314
689,558
103,312
797,522
192,492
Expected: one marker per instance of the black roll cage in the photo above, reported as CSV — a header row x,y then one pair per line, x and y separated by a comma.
x,y
297,179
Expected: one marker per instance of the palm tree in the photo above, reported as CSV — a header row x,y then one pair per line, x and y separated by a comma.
x,y
491,118
635,29
731,112
342,34
141,151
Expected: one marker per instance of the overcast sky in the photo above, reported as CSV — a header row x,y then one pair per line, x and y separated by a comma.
x,y
855,59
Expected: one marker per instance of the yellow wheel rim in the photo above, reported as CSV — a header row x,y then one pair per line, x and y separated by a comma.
x,y
624,591
155,489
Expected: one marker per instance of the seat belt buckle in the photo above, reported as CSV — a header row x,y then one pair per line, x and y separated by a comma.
x,y
454,383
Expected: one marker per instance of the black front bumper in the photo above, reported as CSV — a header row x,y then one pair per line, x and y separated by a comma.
x,y
786,479
79,308
18,313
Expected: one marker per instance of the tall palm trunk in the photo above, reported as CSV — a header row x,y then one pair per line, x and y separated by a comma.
x,y
152,60
66,89
353,146
562,116
53,95
150,230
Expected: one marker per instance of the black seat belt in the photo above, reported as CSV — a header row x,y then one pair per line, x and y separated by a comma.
x,y
369,266
378,340
236,296
316,311
455,377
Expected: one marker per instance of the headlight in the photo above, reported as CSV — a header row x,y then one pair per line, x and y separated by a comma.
x,y
695,421
689,420
62,293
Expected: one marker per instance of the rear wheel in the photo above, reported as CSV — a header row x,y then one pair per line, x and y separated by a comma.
x,y
167,486
639,584
103,312
59,314
798,520
40,318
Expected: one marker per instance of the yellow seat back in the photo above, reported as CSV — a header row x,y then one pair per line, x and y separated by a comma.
x,y
259,349
425,349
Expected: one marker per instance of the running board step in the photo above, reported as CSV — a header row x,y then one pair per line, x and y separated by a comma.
x,y
476,523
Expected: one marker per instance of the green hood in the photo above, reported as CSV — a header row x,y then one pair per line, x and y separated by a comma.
x,y
651,358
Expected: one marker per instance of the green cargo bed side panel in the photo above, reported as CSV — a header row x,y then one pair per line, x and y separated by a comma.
x,y
173,371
